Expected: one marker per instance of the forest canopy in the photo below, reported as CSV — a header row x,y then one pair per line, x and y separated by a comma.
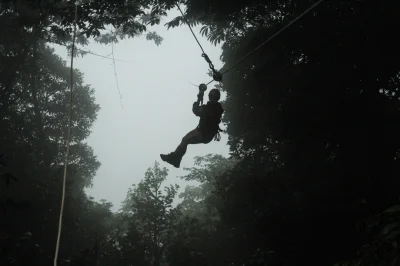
x,y
312,121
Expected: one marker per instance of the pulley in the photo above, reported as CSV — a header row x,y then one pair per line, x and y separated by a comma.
x,y
202,87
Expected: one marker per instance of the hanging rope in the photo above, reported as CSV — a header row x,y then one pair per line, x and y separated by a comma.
x,y
16,30
68,139
270,38
115,74
217,76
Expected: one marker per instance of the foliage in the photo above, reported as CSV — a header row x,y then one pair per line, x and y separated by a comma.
x,y
320,156
312,115
198,200
152,212
312,122
34,86
382,245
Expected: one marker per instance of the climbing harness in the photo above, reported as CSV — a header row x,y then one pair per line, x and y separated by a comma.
x,y
217,75
68,140
200,96
218,136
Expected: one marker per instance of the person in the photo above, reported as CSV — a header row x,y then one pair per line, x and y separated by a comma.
x,y
207,129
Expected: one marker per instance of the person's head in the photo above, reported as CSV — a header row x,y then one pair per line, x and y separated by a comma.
x,y
214,95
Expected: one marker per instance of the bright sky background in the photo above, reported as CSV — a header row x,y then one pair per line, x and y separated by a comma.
x,y
157,101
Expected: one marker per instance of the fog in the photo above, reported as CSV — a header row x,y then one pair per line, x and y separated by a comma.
x,y
157,97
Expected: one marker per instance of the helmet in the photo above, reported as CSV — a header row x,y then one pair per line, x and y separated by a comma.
x,y
214,94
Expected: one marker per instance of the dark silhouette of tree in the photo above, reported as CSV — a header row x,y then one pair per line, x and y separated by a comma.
x,y
314,116
312,119
152,212
33,108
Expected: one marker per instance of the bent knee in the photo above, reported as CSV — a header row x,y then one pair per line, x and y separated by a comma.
x,y
193,138
185,140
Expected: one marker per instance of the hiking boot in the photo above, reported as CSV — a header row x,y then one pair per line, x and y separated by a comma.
x,y
172,159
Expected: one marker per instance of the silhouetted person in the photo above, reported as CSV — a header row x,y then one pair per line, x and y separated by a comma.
x,y
208,128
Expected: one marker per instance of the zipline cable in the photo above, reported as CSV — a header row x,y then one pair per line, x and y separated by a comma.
x,y
270,38
187,23
68,140
217,76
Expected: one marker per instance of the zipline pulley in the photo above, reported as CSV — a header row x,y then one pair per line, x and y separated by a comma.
x,y
200,96
217,76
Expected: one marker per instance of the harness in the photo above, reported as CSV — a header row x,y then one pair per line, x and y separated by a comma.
x,y
218,136
211,116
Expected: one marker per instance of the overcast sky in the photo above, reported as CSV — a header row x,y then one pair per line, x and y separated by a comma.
x,y
157,101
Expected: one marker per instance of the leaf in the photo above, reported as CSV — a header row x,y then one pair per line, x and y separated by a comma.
x,y
204,30
174,23
155,37
393,209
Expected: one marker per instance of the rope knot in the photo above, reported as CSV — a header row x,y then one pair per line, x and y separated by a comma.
x,y
217,76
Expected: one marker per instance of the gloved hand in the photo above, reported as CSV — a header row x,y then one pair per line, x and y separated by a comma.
x,y
200,97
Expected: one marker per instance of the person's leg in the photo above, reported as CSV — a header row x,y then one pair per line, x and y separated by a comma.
x,y
174,158
193,137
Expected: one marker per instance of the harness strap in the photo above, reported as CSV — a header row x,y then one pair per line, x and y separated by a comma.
x,y
218,136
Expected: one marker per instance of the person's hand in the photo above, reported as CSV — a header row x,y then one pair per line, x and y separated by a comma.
x,y
200,96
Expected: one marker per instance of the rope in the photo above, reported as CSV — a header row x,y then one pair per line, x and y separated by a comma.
x,y
194,35
115,74
216,74
68,140
270,38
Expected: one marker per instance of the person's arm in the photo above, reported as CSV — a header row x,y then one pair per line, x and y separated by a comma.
x,y
197,108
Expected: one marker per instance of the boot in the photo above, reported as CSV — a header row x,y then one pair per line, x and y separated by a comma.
x,y
172,159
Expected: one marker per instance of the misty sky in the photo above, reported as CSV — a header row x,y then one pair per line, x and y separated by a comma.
x,y
157,101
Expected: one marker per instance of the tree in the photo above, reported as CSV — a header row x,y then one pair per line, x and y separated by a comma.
x,y
312,123
199,236
381,247
198,200
152,212
55,19
303,114
33,106
33,127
